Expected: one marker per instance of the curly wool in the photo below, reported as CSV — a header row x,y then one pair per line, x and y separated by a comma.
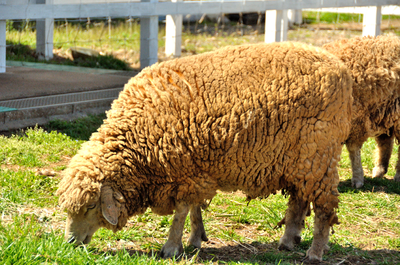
x,y
258,118
374,63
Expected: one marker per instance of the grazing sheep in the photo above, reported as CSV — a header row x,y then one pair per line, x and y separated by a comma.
x,y
374,63
257,118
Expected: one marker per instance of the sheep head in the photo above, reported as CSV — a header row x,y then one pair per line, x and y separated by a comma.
x,y
97,212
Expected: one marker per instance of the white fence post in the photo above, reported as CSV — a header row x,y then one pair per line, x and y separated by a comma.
x,y
295,16
44,35
2,42
276,25
372,21
148,39
173,34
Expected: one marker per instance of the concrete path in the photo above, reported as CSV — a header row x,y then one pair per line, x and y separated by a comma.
x,y
34,93
34,79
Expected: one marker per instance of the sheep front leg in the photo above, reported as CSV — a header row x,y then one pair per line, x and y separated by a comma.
x,y
294,221
322,223
197,233
385,146
173,246
356,166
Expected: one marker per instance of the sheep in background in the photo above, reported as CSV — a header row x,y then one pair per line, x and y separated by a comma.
x,y
257,118
374,63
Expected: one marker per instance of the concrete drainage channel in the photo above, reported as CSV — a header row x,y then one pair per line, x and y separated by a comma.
x,y
27,112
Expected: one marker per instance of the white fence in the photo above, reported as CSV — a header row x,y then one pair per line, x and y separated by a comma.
x,y
45,11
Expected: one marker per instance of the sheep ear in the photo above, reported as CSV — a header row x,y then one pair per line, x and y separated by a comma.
x,y
108,205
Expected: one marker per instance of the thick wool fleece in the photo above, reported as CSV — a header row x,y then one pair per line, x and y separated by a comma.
x,y
374,63
258,118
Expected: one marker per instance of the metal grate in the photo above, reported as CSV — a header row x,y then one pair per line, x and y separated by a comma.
x,y
28,103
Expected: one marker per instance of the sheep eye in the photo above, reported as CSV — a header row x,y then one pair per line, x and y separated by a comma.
x,y
91,206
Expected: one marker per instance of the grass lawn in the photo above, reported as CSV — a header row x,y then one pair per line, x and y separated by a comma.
x,y
31,222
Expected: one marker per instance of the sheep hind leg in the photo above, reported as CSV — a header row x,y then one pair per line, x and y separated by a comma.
x,y
357,180
397,176
322,222
173,246
294,222
197,233
385,146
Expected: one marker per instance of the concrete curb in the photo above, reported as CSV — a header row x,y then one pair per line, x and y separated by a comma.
x,y
43,113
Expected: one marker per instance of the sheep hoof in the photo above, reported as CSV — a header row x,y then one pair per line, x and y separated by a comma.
x,y
204,237
378,172
196,243
170,250
286,244
357,183
196,237
313,256
287,247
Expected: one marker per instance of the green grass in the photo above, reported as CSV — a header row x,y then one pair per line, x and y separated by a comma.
x,y
26,242
36,148
330,17
31,223
21,154
80,128
25,187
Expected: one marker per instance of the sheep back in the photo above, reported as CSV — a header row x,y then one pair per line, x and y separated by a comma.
x,y
374,63
258,118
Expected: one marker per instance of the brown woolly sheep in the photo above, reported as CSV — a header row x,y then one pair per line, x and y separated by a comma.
x,y
257,118
374,63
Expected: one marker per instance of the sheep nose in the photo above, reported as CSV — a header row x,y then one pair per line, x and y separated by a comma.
x,y
71,239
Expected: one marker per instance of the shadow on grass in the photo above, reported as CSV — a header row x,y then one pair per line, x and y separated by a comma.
x,y
386,184
267,253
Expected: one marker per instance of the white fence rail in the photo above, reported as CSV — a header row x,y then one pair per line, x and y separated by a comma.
x,y
139,9
45,11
